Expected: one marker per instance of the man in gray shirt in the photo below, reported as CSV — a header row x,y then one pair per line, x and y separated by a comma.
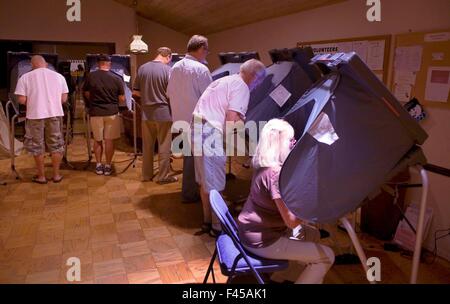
x,y
151,87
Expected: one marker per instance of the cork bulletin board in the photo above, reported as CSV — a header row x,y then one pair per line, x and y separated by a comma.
x,y
373,50
422,68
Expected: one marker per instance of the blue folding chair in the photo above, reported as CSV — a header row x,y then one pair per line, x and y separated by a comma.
x,y
234,260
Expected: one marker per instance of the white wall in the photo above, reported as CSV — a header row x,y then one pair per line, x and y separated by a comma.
x,y
346,20
156,35
101,21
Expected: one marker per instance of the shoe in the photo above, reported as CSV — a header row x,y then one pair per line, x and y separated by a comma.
x,y
168,180
107,171
35,179
99,169
58,180
191,201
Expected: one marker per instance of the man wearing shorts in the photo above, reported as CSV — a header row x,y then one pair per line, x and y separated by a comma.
x,y
103,91
225,100
43,92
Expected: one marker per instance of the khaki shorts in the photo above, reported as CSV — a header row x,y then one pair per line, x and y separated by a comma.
x,y
105,127
40,133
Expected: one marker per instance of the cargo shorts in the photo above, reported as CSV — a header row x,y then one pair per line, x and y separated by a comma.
x,y
42,133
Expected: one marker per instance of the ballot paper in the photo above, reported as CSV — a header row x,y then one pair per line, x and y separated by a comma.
x,y
280,95
375,55
126,78
408,58
322,130
438,84
403,92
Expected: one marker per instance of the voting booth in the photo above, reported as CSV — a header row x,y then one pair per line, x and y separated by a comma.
x,y
231,63
353,135
287,79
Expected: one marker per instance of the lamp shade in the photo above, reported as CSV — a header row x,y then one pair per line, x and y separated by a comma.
x,y
138,46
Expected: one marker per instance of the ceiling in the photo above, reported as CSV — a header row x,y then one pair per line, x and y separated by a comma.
x,y
211,16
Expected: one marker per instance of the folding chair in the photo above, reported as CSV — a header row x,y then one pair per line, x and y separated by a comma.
x,y
233,258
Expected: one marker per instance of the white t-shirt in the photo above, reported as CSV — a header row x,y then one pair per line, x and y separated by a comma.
x,y
225,94
43,89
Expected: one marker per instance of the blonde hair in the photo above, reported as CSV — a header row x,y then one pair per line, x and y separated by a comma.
x,y
274,144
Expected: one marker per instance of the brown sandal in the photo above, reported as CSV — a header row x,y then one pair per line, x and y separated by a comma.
x,y
35,179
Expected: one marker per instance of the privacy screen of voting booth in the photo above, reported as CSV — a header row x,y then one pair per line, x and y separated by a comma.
x,y
287,79
352,133
120,67
231,63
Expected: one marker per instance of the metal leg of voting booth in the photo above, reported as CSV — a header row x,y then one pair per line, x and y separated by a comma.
x,y
419,230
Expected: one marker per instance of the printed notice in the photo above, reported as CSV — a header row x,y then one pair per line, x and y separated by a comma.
x,y
280,95
375,55
405,77
323,131
408,58
438,84
403,92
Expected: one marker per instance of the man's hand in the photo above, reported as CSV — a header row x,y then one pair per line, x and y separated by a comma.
x,y
22,99
233,116
64,97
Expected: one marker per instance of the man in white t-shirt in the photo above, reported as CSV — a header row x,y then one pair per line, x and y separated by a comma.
x,y
225,100
43,92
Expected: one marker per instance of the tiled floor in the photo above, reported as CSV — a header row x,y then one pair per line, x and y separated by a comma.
x,y
126,231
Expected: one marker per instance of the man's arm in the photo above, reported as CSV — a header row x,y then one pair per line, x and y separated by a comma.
x,y
233,116
64,97
22,99
122,100
136,93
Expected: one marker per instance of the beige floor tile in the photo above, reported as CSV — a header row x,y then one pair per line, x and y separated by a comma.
x,y
49,277
106,253
176,274
48,249
109,268
150,276
134,249
139,263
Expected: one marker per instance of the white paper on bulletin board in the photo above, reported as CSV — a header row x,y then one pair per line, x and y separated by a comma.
x,y
408,58
438,84
403,92
361,48
405,77
375,55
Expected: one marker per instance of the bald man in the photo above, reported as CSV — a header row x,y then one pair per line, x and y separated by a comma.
x,y
43,91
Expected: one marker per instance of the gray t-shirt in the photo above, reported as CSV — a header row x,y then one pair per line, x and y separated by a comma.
x,y
151,82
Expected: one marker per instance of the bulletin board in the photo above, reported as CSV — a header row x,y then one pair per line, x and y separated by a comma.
x,y
373,50
422,68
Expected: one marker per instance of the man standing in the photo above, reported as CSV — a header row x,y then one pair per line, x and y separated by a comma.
x,y
43,92
188,79
224,101
151,87
103,92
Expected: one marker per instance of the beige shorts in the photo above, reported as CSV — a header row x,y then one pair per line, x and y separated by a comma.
x,y
105,127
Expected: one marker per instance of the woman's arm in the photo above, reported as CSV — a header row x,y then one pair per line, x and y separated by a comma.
x,y
288,217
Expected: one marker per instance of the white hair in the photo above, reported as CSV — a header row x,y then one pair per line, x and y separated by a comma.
x,y
253,67
274,144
